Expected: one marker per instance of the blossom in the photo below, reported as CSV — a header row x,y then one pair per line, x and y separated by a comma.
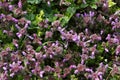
x,y
67,57
73,67
93,50
2,16
56,23
11,7
38,56
41,73
48,69
43,24
77,15
21,32
115,24
37,69
15,42
80,67
30,57
36,39
9,33
58,70
117,50
66,71
4,76
95,37
22,21
15,67
20,4
87,17
83,58
115,70
48,34
4,53
95,76
102,68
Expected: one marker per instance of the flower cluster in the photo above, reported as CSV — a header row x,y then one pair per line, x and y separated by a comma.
x,y
87,47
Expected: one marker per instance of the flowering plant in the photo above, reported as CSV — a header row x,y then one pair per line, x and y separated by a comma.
x,y
57,40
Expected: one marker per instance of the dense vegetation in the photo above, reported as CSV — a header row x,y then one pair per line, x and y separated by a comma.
x,y
59,40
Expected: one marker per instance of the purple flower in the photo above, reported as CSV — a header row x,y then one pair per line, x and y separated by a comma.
x,y
80,67
41,73
75,37
66,71
17,26
118,50
48,34
77,15
30,57
115,70
22,21
2,16
85,50
48,69
4,53
10,7
67,57
91,14
8,17
9,33
15,42
108,37
58,71
56,23
38,56
4,76
95,76
89,70
87,17
14,20
15,67
93,50
115,24
102,68
72,67
37,69
48,2
83,58
36,39
95,37
21,32
20,4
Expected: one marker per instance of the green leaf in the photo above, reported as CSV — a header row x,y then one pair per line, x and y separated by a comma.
x,y
30,16
0,41
68,14
38,49
94,6
111,3
34,1
70,11
83,5
20,77
113,78
9,45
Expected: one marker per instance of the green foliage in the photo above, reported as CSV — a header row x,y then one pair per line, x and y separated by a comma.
x,y
39,17
111,3
34,1
73,77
